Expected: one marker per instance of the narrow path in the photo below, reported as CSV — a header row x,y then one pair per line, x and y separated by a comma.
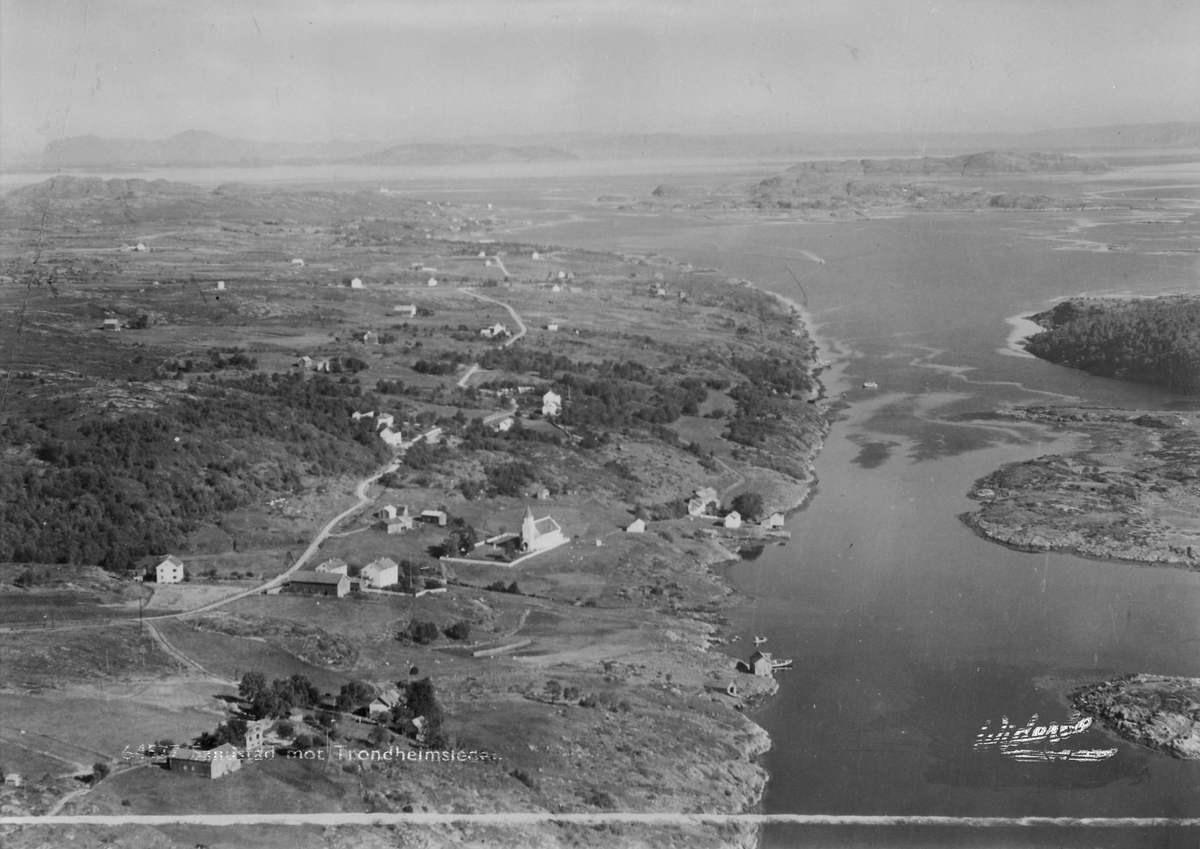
x,y
741,479
462,381
58,806
511,312
500,262
181,657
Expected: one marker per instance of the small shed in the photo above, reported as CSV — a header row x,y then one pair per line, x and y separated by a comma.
x,y
431,282
220,285
637,526
356,283
775,520
434,517
760,664
12,779
409,310
298,261
111,324
733,520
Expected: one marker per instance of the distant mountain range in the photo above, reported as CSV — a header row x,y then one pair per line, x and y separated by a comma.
x,y
201,148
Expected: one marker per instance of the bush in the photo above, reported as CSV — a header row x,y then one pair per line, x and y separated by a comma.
x,y
285,729
421,632
460,630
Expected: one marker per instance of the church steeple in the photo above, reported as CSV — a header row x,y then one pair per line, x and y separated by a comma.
x,y
529,531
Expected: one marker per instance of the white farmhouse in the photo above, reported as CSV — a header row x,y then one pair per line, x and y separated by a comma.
x,y
169,571
382,573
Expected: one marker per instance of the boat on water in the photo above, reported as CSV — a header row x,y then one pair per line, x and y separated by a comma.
x,y
781,664
870,384
758,641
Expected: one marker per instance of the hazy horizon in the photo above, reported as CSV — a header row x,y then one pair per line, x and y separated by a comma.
x,y
315,71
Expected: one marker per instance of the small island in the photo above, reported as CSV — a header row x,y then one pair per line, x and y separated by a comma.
x,y
1157,711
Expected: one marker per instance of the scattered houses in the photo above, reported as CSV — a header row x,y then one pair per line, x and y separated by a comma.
x,y
637,526
551,404
169,571
320,583
380,573
540,534
214,763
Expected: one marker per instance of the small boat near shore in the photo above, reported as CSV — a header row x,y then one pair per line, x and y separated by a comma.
x,y
781,664
758,641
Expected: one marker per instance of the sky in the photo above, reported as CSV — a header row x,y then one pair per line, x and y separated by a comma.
x,y
391,70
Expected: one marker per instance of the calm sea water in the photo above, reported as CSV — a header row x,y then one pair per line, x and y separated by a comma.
x,y
910,633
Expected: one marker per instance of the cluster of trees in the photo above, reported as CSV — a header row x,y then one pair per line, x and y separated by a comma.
x,y
218,359
122,488
276,699
1146,340
509,478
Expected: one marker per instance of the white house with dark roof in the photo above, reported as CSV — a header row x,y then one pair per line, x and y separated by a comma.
x,y
380,573
169,571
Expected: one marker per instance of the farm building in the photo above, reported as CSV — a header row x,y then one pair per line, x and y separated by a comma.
x,y
553,328
394,438
433,436
12,779
384,702
370,338
211,764
169,571
540,534
298,262
556,288
381,573
707,496
111,324
637,526
256,731
334,566
356,283
733,520
409,310
399,525
775,520
319,583
432,281
504,425
220,285
388,511
433,517
384,420
493,331
551,404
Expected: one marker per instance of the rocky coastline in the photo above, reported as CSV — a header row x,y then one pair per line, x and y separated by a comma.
x,y
1129,493
1157,711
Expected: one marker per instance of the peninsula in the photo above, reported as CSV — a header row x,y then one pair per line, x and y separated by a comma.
x,y
496,483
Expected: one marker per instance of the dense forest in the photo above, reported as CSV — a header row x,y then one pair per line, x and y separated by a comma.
x,y
112,490
1148,340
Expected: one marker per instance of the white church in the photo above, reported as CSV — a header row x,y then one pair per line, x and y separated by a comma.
x,y
540,534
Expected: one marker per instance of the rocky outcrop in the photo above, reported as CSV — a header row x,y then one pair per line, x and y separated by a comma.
x,y
1160,712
